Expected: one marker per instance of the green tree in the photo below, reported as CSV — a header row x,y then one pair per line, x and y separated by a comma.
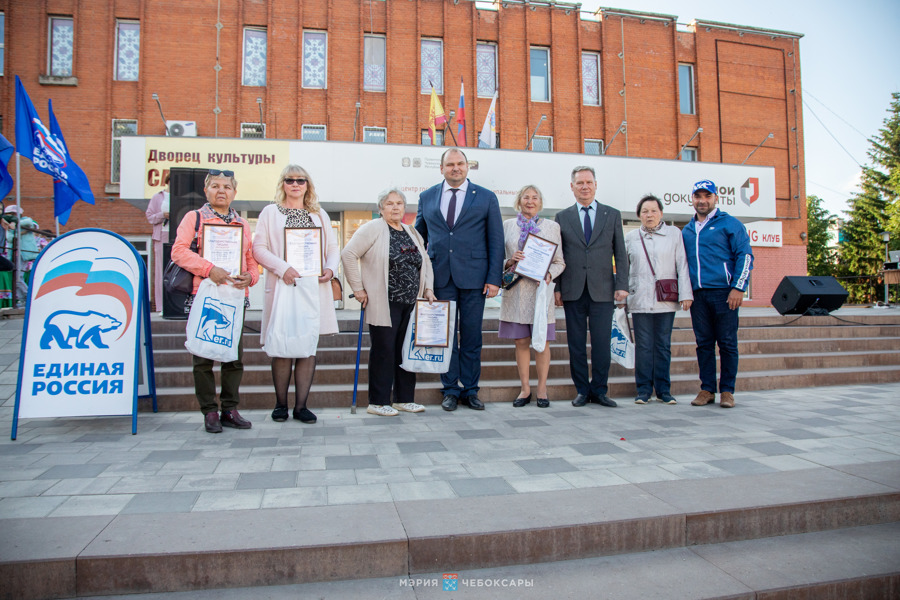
x,y
820,259
874,210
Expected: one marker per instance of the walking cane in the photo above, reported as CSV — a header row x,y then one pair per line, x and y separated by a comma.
x,y
362,311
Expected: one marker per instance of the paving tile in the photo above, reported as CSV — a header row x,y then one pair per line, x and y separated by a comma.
x,y
29,508
352,462
12,449
144,484
528,423
588,479
73,471
166,456
539,483
639,474
410,447
359,494
190,483
88,506
323,478
481,486
237,500
173,502
289,498
421,490
272,479
771,448
543,466
82,486
267,442
440,472
595,448
323,431
741,466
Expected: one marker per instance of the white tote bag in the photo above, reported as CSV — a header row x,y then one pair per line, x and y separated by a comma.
x,y
292,330
427,359
541,308
215,322
620,346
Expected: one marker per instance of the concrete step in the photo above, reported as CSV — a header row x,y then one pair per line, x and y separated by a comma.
x,y
808,530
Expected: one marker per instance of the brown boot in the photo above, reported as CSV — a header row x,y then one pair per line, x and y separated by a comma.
x,y
704,398
727,400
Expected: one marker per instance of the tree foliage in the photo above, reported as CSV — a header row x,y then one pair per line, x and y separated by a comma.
x,y
820,259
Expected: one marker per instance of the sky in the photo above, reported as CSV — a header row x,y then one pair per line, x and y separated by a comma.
x,y
849,66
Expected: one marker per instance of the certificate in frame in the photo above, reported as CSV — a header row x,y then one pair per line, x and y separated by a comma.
x,y
303,250
223,246
539,253
432,323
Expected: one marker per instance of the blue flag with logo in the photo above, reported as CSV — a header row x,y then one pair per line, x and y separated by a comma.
x,y
6,180
46,148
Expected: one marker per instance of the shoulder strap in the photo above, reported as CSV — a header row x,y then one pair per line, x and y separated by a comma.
x,y
197,224
649,262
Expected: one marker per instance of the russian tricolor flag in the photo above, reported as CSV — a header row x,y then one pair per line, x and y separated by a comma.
x,y
461,116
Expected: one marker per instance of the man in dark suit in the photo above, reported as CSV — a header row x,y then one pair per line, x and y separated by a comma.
x,y
460,222
591,238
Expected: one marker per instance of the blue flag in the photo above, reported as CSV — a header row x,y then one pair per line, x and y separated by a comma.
x,y
6,180
46,148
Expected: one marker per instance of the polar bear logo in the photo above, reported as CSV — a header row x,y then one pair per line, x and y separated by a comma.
x,y
214,322
66,325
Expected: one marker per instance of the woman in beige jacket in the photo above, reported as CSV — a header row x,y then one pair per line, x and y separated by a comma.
x,y
518,302
387,268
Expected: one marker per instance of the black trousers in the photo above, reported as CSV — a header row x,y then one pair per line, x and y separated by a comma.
x,y
385,356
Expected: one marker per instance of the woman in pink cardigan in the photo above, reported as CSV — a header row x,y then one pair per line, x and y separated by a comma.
x,y
220,189
296,205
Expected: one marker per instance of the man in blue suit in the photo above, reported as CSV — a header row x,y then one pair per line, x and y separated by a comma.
x,y
460,222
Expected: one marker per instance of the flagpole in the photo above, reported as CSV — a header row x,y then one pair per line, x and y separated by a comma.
x,y
18,253
57,225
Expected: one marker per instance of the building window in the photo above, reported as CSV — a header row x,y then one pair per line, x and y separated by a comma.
x,y
128,50
255,47
253,130
689,154
486,63
686,89
593,147
120,129
432,55
315,59
313,133
62,43
590,78
374,76
439,138
374,135
2,40
540,75
542,143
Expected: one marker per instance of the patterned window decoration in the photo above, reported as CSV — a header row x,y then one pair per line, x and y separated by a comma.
x,y
542,143
62,42
315,133
315,59
486,63
593,147
2,40
590,78
128,50
374,76
439,138
432,56
255,46
374,135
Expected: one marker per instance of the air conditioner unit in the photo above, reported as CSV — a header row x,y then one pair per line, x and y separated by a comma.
x,y
182,128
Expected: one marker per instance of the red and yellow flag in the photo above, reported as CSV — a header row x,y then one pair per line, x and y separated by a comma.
x,y
437,118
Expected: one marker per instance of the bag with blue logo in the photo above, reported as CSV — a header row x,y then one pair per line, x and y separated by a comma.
x,y
215,322
427,359
292,330
621,347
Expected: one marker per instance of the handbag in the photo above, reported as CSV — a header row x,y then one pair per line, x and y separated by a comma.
x,y
510,278
337,290
666,289
176,279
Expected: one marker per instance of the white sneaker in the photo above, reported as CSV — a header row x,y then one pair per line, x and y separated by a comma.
x,y
382,411
409,407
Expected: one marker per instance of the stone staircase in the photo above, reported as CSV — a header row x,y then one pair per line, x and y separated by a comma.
x,y
777,352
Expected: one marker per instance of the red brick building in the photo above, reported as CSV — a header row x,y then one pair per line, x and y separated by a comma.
x,y
359,70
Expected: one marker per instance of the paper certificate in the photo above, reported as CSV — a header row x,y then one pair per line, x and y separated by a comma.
x,y
223,246
432,323
539,254
303,250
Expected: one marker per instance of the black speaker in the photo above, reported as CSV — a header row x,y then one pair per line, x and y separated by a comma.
x,y
185,194
798,295
173,303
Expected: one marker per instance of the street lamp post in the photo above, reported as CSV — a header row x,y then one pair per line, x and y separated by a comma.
x,y
886,237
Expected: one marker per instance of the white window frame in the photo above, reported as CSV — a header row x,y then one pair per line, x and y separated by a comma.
x,y
596,141
692,152
384,48
246,128
324,86
426,140
693,89
596,57
496,70
314,127
547,138
50,44
116,50
117,142
531,76
244,58
440,87
2,42
372,130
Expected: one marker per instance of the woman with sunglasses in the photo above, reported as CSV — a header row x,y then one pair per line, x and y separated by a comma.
x,y
296,205
220,189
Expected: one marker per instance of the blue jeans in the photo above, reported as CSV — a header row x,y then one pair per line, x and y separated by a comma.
x,y
585,315
653,352
715,323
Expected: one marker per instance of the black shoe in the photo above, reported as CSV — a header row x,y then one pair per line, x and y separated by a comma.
x,y
473,402
603,400
543,403
280,414
580,400
520,402
449,403
304,415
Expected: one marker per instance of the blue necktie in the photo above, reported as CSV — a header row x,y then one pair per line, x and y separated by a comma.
x,y
588,228
451,209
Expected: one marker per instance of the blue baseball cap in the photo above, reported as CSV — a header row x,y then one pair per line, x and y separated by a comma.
x,y
707,185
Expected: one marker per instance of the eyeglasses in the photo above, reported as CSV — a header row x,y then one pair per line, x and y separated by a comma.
x,y
216,173
293,180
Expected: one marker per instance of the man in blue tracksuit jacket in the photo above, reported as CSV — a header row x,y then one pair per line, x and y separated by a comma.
x,y
719,260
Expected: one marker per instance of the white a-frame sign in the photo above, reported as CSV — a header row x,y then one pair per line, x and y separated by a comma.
x,y
86,346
